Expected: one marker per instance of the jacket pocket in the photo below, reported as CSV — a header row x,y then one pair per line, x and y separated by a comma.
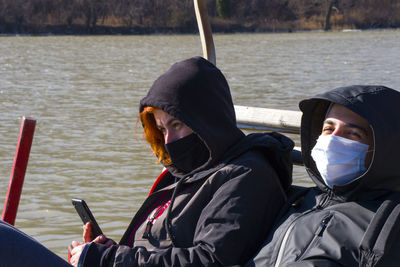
x,y
317,235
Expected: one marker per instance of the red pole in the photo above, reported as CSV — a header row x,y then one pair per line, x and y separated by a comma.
x,y
18,170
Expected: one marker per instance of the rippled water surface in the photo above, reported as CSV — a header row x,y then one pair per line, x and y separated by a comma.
x,y
84,92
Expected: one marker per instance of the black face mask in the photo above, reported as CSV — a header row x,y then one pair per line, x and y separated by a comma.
x,y
188,153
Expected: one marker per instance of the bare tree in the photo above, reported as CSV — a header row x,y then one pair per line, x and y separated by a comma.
x,y
92,11
332,5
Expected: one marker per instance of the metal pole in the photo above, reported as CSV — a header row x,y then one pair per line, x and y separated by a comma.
x,y
18,170
206,38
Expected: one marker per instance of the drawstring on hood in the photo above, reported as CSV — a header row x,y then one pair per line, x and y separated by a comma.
x,y
375,104
167,218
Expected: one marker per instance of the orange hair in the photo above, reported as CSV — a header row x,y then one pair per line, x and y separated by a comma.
x,y
154,136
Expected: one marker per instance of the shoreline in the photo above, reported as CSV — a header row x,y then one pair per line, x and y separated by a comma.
x,y
123,31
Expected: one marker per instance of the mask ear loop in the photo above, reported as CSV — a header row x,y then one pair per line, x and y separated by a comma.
x,y
371,150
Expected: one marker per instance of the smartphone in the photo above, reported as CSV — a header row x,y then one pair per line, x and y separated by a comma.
x,y
86,215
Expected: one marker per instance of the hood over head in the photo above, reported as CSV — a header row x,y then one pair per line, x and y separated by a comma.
x,y
275,147
196,92
377,104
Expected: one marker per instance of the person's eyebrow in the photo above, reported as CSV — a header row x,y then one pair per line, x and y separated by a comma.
x,y
168,122
351,125
329,122
171,121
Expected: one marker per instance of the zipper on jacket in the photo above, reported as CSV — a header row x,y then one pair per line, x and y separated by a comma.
x,y
317,234
324,201
286,236
322,225
283,244
152,219
290,228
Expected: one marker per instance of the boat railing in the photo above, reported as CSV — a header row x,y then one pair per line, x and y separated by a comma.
x,y
266,119
249,118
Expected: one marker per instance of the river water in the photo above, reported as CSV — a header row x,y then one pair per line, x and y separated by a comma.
x,y
84,92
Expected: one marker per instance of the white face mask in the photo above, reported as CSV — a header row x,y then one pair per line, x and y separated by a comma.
x,y
339,160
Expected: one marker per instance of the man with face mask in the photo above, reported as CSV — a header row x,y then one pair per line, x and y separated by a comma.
x,y
340,153
350,149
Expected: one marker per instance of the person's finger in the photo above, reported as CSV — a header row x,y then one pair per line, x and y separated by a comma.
x,y
109,243
75,244
100,239
69,254
77,249
87,232
75,254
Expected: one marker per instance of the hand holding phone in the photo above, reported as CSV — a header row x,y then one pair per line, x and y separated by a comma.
x,y
87,216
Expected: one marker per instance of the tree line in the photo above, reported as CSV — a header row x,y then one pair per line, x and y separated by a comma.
x,y
177,16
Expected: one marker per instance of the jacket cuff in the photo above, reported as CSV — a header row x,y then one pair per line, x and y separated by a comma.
x,y
91,254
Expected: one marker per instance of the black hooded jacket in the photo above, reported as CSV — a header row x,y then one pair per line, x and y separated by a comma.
x,y
357,224
219,213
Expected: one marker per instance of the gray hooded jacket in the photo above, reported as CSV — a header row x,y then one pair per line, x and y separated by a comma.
x,y
356,224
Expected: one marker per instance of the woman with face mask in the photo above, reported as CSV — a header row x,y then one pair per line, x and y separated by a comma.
x,y
221,190
350,149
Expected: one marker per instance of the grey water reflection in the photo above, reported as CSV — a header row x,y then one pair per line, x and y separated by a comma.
x,y
84,93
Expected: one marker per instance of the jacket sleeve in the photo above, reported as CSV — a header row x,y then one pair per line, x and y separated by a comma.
x,y
380,245
230,228
314,263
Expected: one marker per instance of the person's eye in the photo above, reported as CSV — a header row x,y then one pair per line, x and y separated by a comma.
x,y
356,134
177,125
327,129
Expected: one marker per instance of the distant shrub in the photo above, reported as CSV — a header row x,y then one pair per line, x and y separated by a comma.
x,y
147,16
224,8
